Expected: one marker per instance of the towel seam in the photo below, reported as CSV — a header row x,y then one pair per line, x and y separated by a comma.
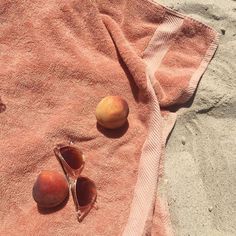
x,y
195,79
178,14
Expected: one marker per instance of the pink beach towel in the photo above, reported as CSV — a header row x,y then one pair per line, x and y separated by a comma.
x,y
58,59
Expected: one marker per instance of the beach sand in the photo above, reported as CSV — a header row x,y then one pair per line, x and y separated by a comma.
x,y
200,166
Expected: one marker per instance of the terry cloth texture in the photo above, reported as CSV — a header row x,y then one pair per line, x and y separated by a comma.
x,y
58,59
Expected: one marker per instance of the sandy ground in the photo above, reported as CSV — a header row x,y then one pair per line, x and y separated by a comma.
x,y
201,152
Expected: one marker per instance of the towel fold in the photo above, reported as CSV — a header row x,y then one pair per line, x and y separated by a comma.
x,y
58,59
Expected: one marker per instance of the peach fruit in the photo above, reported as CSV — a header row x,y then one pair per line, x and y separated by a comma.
x,y
50,189
112,112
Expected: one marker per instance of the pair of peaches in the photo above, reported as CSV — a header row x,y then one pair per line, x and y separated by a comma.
x,y
51,188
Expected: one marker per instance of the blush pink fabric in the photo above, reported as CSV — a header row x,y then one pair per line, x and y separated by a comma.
x,y
57,60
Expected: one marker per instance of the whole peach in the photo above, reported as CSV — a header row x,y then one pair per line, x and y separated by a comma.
x,y
50,189
112,112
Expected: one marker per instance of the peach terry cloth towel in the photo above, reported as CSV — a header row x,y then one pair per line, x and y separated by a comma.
x,y
58,59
